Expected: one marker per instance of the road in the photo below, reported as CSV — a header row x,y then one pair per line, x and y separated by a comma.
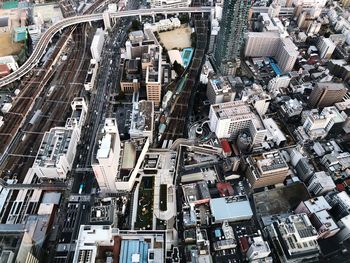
x,y
45,39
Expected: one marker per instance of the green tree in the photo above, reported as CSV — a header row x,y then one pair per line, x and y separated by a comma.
x,y
135,25
178,68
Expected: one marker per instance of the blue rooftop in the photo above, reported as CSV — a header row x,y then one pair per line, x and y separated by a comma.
x,y
133,247
226,209
275,67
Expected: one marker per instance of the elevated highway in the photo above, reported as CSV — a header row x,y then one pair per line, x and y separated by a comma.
x,y
45,39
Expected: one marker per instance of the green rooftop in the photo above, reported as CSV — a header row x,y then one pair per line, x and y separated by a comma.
x,y
10,4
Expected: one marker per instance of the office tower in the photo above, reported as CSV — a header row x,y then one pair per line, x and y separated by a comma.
x,y
326,47
106,158
230,39
229,119
266,169
271,44
326,94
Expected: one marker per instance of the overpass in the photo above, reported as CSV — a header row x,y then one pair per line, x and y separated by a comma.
x,y
45,39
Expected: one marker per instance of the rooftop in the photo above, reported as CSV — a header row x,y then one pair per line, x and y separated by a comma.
x,y
230,208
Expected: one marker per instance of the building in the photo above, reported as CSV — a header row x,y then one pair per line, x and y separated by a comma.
x,y
152,63
230,39
340,203
229,119
56,153
271,44
169,3
230,209
312,206
291,108
266,169
317,125
142,120
344,226
325,47
304,169
324,224
131,76
97,44
163,25
106,156
220,89
258,249
295,238
224,237
91,75
58,147
4,70
261,44
320,183
326,94
257,97
277,83
274,133
102,242
207,70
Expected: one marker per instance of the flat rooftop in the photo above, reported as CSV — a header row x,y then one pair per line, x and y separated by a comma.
x,y
54,144
237,111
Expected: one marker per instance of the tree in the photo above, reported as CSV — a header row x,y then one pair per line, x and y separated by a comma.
x,y
193,39
135,25
184,18
178,68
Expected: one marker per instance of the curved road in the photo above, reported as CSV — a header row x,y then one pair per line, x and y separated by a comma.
x,y
45,39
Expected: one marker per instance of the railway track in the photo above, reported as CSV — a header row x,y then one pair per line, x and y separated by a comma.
x,y
54,108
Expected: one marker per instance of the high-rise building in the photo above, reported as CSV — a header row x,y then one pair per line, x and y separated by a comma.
x,y
271,44
220,89
320,183
230,38
106,161
267,169
229,119
326,47
295,238
97,44
326,94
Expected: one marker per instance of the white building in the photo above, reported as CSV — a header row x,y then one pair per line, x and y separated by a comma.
x,y
317,125
258,249
292,108
145,247
207,70
106,163
58,146
271,44
325,47
10,62
296,238
278,83
228,119
169,3
91,75
97,44
274,133
220,89
320,183
257,97
163,25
